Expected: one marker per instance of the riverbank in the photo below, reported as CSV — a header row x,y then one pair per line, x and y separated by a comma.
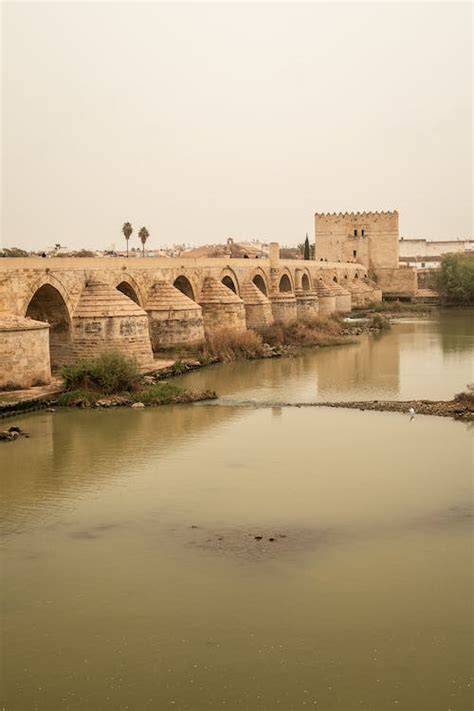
x,y
278,340
462,409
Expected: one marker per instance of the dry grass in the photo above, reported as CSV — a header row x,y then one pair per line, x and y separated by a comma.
x,y
308,332
228,345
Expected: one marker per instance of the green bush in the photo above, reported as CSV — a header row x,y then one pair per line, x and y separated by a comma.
x,y
158,394
381,322
455,278
109,373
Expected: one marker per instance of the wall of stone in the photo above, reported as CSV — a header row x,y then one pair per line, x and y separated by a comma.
x,y
344,302
125,334
284,307
24,356
258,315
169,329
397,281
307,305
217,316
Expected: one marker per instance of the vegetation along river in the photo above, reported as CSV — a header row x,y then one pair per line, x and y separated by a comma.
x,y
219,556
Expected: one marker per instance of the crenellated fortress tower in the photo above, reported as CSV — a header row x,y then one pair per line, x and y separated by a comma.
x,y
368,238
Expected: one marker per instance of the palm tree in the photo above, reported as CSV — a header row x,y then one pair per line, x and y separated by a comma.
x,y
127,230
143,234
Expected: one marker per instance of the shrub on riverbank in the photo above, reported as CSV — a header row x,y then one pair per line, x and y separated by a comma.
x,y
380,322
113,379
155,394
306,332
167,393
228,345
467,398
108,373
455,278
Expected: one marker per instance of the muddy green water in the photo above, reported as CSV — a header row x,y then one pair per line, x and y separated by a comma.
x,y
132,579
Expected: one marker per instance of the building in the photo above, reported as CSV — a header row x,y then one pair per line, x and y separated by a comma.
x,y
367,238
427,254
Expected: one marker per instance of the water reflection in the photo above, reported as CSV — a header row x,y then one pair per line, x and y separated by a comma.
x,y
74,451
138,570
418,358
455,328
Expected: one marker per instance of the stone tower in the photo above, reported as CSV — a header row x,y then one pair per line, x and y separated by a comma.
x,y
369,238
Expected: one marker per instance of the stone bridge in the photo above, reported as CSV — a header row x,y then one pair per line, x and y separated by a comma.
x,y
137,305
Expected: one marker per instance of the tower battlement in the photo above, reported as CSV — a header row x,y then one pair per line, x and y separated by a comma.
x,y
369,213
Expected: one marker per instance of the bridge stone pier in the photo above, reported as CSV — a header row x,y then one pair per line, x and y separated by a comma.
x,y
140,305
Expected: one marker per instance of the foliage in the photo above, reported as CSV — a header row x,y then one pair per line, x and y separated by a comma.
x,y
306,251
466,398
155,394
71,397
455,278
13,252
308,332
159,393
143,234
380,322
228,345
179,367
108,373
127,230
79,253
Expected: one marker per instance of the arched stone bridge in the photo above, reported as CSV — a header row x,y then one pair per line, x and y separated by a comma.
x,y
92,304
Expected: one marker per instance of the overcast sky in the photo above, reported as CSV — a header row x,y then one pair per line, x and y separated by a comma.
x,y
204,121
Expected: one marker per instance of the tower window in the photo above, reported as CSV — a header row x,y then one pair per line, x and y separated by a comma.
x,y
355,233
354,253
363,233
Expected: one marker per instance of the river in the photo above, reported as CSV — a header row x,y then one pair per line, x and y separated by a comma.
x,y
220,556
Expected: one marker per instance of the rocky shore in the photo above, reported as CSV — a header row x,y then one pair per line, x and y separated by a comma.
x,y
459,409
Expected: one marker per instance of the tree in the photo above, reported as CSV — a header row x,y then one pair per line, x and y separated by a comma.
x,y
127,230
307,251
455,279
143,234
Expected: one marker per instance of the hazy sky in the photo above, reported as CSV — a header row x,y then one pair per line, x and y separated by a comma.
x,y
204,120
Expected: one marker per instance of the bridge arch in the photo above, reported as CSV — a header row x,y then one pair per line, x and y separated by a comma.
x,y
185,286
48,303
302,279
229,279
284,285
260,280
128,286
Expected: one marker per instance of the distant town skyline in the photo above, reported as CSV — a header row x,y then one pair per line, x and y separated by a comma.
x,y
205,121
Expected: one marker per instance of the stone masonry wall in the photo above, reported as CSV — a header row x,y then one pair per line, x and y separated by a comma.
x,y
397,281
24,358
